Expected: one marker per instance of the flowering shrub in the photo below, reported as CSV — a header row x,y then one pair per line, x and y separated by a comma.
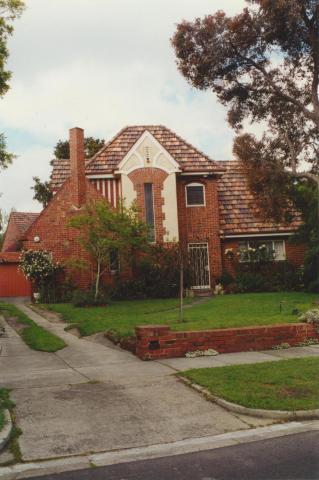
x,y
311,316
38,266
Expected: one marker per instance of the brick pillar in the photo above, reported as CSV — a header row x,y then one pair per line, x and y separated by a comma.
x,y
77,164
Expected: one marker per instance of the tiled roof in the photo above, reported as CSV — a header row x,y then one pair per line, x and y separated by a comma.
x,y
107,159
23,220
18,224
237,206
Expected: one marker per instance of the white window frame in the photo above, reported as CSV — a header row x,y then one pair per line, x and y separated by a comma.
x,y
195,184
273,248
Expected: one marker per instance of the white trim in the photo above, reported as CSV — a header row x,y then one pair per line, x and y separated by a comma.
x,y
192,174
97,177
247,235
147,134
195,184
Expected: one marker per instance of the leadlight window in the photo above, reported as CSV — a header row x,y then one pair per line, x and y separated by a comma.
x,y
149,209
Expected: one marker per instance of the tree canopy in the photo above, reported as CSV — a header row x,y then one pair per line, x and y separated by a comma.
x,y
263,65
105,232
42,191
91,147
9,11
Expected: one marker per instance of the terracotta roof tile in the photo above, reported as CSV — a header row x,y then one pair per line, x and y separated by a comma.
x,y
237,206
107,159
18,224
23,220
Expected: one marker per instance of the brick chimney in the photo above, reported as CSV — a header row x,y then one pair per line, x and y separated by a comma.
x,y
77,163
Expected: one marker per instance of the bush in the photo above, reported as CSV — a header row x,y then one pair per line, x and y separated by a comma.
x,y
311,316
85,298
252,282
38,266
55,292
129,290
270,277
226,279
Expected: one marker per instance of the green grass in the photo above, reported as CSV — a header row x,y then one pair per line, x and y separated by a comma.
x,y
34,336
281,385
218,312
5,403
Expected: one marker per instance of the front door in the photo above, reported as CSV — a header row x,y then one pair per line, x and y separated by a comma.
x,y
199,261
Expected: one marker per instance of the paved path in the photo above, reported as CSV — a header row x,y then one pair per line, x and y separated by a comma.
x,y
90,397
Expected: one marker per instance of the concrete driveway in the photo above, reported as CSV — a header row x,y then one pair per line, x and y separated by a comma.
x,y
92,397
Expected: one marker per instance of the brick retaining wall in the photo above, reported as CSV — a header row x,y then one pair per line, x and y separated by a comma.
x,y
159,341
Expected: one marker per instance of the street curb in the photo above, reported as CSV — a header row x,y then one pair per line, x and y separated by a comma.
x,y
180,447
6,431
253,412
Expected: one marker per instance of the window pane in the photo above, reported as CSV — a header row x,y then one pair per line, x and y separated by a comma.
x,y
195,194
279,250
149,209
114,260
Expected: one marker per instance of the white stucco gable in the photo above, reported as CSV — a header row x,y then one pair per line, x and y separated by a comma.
x,y
147,152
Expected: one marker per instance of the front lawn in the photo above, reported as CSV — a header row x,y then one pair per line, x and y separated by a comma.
x,y
217,312
281,385
34,336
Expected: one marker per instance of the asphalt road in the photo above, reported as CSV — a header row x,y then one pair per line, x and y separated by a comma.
x,y
293,457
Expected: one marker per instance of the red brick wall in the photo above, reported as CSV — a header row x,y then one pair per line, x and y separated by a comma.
x,y
295,253
55,234
154,342
157,178
201,224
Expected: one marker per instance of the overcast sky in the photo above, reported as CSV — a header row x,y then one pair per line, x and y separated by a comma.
x,y
100,65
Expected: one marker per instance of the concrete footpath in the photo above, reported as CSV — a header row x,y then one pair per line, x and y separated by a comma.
x,y
92,397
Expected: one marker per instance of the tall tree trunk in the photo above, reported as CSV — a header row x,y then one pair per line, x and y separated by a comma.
x,y
97,280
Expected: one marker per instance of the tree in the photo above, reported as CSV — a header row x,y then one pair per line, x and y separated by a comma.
x,y
3,224
263,64
9,11
91,147
42,191
104,231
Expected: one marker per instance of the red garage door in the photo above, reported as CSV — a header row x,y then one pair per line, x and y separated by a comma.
x,y
12,282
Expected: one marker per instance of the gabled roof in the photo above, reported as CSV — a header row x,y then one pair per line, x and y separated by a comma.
x,y
108,158
18,224
23,220
237,206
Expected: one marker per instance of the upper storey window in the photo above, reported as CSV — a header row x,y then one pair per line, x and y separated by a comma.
x,y
195,195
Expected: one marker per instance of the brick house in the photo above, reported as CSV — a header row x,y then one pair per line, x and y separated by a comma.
x,y
182,193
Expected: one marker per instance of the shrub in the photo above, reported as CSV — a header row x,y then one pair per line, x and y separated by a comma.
x,y
54,291
129,290
311,316
86,298
38,266
252,282
225,279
